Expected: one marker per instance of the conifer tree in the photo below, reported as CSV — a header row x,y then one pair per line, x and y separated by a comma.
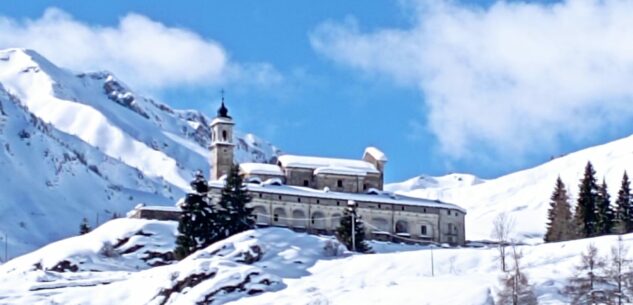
x,y
196,219
233,215
624,207
84,227
585,214
604,211
559,226
344,232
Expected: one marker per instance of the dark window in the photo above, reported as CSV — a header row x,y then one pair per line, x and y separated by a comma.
x,y
448,212
402,207
364,186
276,218
312,219
423,230
339,183
279,197
306,182
298,199
318,201
224,135
379,206
338,203
424,210
260,195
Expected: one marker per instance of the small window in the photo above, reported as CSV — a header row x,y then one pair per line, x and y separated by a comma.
x,y
306,183
379,205
279,197
260,195
276,217
224,135
402,207
338,203
448,212
339,183
312,220
424,210
364,186
318,201
298,199
422,230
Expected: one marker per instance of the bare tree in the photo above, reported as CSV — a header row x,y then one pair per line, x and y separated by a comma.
x,y
587,286
502,226
619,273
516,288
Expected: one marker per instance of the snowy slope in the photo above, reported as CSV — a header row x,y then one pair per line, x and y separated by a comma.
x,y
85,145
525,194
274,266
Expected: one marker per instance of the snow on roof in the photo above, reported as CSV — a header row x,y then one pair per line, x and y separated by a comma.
x,y
337,170
222,120
376,153
159,208
385,197
317,162
261,168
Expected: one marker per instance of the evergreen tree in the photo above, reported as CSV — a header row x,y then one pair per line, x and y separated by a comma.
x,y
344,232
196,220
624,207
84,227
585,214
604,211
559,226
233,215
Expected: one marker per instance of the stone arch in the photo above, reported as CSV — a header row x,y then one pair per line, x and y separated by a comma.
x,y
261,215
402,226
380,224
298,219
279,217
318,220
335,220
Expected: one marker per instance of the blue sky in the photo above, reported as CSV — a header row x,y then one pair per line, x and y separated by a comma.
x,y
477,87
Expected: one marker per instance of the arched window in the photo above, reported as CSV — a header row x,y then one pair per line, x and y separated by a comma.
x,y
224,135
402,227
318,220
298,219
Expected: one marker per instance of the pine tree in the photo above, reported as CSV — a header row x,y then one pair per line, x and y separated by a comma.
x,y
624,207
344,232
84,227
585,214
559,226
196,220
604,211
233,214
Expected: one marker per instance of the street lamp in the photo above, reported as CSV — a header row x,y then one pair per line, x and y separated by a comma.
x,y
351,207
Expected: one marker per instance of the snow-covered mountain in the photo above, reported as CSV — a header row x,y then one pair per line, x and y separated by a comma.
x,y
126,261
524,194
85,145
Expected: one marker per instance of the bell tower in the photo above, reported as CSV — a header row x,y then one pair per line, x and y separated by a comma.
x,y
221,143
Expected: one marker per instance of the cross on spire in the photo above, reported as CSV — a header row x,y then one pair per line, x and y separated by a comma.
x,y
223,112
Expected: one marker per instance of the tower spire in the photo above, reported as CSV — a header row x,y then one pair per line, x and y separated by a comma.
x,y
223,112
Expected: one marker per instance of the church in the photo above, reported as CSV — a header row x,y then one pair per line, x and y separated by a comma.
x,y
309,194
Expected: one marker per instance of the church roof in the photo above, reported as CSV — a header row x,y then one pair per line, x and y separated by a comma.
x,y
314,163
261,169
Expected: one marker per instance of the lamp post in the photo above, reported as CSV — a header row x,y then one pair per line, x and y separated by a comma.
x,y
351,207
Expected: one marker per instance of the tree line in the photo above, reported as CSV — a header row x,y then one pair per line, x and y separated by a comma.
x,y
594,214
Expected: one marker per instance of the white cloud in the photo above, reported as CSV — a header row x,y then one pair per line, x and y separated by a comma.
x,y
142,52
511,77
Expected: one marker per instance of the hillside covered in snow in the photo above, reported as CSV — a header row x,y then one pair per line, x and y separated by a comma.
x,y
76,145
127,261
524,195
